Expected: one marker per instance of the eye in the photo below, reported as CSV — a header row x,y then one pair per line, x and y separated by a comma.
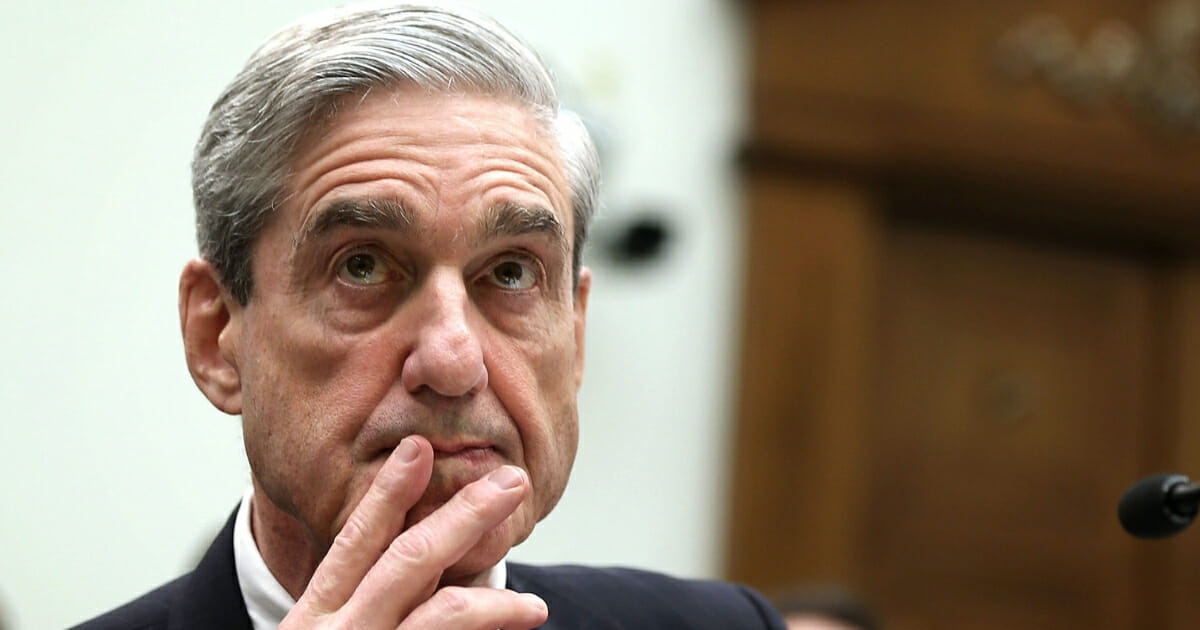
x,y
363,268
513,275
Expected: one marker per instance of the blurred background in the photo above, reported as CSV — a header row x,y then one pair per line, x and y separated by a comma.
x,y
898,296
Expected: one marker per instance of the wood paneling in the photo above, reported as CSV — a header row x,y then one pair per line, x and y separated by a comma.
x,y
972,319
1013,381
808,292
1174,569
911,86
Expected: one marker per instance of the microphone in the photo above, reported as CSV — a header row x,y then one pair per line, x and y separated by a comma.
x,y
1159,506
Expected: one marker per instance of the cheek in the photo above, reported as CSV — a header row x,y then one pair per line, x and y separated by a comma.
x,y
542,402
306,398
551,459
308,373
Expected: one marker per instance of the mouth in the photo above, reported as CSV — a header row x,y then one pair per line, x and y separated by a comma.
x,y
448,450
455,466
473,454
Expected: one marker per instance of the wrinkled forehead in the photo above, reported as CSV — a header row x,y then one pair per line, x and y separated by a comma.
x,y
396,119
525,117
334,111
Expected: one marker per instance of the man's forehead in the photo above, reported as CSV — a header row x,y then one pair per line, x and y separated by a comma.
x,y
419,132
378,110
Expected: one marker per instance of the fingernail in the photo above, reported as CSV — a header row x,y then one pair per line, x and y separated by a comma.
x,y
408,450
505,477
536,601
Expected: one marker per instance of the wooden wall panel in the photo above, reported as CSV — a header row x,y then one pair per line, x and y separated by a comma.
x,y
1014,381
903,87
972,319
809,300
1177,579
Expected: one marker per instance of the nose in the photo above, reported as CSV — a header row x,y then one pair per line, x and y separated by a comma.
x,y
447,356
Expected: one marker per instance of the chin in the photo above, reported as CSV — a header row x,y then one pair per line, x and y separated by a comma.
x,y
486,553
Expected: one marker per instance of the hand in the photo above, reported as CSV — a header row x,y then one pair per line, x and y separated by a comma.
x,y
374,576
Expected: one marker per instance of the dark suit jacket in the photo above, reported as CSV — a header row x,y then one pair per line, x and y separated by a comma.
x,y
578,598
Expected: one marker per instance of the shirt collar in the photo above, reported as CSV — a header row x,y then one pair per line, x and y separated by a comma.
x,y
266,599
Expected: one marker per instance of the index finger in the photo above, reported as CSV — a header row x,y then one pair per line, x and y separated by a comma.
x,y
371,527
418,557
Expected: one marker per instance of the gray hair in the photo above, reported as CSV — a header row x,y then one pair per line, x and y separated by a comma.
x,y
296,79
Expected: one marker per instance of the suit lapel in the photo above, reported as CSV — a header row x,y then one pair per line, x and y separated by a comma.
x,y
572,603
212,597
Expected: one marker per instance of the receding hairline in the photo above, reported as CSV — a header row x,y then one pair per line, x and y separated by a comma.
x,y
327,114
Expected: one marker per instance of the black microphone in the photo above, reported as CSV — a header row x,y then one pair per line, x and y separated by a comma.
x,y
1159,506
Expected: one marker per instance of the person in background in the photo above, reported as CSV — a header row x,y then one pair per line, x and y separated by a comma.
x,y
391,207
824,608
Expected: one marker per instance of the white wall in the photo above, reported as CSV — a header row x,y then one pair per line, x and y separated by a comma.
x,y
116,471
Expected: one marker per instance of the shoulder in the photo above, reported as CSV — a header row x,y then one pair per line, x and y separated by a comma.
x,y
208,597
150,611
636,598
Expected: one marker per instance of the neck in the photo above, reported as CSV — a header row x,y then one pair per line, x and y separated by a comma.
x,y
286,546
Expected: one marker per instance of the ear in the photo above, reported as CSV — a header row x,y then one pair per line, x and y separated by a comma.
x,y
211,322
581,298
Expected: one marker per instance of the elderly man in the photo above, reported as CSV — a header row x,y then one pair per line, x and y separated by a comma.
x,y
390,209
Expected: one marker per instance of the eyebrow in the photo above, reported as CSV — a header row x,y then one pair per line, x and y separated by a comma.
x,y
501,220
512,219
372,213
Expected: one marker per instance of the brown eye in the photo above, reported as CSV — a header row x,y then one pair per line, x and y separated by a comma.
x,y
513,275
363,268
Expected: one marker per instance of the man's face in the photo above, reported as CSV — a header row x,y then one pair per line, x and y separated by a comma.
x,y
416,281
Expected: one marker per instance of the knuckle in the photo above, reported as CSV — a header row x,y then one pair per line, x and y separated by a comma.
x,y
453,601
390,481
355,529
320,588
303,617
414,546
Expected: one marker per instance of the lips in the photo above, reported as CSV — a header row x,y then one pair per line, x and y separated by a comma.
x,y
470,462
448,449
470,453
456,466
